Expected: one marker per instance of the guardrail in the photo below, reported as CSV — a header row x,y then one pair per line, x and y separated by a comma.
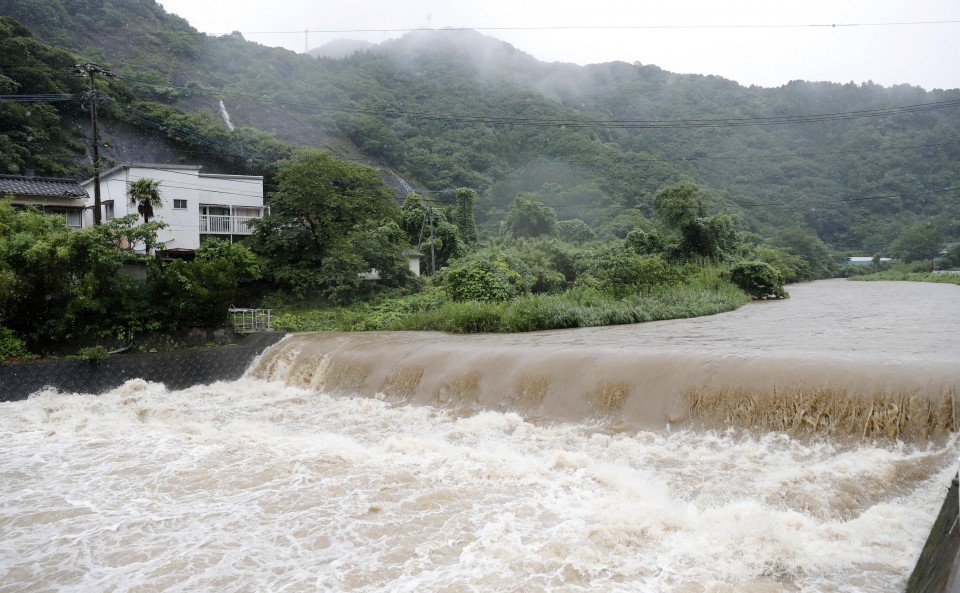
x,y
247,321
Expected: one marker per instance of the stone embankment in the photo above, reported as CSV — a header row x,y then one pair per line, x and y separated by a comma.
x,y
176,370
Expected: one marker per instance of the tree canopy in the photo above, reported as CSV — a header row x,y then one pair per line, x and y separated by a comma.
x,y
323,216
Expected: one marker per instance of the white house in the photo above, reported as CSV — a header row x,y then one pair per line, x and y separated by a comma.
x,y
193,204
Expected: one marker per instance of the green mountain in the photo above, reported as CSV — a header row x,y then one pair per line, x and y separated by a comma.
x,y
855,164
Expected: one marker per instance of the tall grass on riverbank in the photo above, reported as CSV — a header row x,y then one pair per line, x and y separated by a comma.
x,y
578,307
897,275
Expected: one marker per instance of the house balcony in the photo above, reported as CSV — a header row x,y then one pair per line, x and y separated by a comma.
x,y
221,224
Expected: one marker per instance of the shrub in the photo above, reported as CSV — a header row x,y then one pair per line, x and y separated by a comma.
x,y
93,355
484,277
758,279
11,346
622,272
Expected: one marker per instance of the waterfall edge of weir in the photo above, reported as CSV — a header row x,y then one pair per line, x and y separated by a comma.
x,y
626,389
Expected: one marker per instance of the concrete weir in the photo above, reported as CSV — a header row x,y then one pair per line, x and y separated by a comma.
x,y
937,569
176,370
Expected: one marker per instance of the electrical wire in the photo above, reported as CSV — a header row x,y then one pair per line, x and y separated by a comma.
x,y
196,33
38,98
852,198
593,123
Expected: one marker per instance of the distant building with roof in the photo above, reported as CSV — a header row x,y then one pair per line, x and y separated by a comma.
x,y
863,260
54,196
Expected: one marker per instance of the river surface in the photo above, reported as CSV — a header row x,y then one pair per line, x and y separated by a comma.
x,y
631,458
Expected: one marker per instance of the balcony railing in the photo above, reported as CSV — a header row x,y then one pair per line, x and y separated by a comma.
x,y
222,224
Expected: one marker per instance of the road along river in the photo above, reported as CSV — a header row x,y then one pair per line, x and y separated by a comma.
x,y
801,445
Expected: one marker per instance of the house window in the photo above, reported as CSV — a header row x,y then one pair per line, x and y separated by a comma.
x,y
108,211
179,204
72,216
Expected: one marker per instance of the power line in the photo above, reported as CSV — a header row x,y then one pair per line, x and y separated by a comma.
x,y
853,198
553,28
593,123
38,98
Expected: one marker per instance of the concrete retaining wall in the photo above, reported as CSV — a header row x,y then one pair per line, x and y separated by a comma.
x,y
176,370
937,568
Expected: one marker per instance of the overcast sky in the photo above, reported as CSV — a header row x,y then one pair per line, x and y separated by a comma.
x,y
763,42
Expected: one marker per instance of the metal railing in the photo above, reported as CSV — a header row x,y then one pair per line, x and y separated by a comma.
x,y
224,224
247,321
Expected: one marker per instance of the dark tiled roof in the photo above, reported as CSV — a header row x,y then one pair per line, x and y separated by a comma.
x,y
40,186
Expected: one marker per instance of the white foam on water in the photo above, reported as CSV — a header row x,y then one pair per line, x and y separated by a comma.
x,y
256,486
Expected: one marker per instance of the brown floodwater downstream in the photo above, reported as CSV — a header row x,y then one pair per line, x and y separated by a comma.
x,y
799,445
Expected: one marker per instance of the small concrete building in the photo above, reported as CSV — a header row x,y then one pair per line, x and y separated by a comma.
x,y
193,204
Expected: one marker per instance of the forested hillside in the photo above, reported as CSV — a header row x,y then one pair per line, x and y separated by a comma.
x,y
854,164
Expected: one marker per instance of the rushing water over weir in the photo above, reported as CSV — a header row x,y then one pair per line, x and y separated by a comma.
x,y
860,382
793,446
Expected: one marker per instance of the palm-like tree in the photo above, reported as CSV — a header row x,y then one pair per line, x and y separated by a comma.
x,y
145,194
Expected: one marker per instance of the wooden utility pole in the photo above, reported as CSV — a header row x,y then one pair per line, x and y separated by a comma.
x,y
433,254
92,70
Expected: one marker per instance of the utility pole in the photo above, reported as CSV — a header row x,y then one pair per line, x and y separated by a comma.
x,y
92,70
433,255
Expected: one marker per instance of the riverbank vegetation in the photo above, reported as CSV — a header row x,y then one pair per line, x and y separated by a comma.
x,y
333,255
535,209
900,275
432,310
922,257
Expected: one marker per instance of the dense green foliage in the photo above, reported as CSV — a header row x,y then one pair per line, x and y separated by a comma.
x,y
331,222
33,136
577,308
758,279
456,109
541,212
62,286
529,217
903,276
918,242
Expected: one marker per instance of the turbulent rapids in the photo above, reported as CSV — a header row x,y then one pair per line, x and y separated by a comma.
x,y
630,386
795,446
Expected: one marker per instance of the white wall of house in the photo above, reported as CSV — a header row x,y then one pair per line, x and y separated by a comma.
x,y
187,195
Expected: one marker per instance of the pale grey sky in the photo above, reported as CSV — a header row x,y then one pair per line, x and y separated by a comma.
x,y
763,42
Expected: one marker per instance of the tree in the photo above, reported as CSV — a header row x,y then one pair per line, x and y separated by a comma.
x,y
145,195
462,215
575,231
709,237
682,208
200,292
57,284
622,272
645,243
323,209
680,204
529,217
820,263
919,242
